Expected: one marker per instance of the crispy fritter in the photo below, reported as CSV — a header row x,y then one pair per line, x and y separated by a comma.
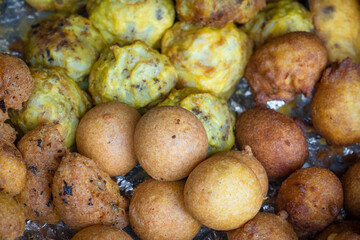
x,y
98,232
339,227
69,6
351,185
7,133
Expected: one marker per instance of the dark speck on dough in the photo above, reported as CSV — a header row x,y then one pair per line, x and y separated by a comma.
x,y
328,10
67,189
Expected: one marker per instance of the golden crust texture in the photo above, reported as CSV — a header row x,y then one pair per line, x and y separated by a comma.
x,y
84,195
351,185
98,232
336,118
339,227
286,66
69,6
157,211
7,133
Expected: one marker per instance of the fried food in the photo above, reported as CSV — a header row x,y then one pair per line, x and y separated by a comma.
x,y
12,218
84,195
209,59
42,149
125,21
265,226
169,142
214,13
69,6
275,140
97,232
55,99
157,211
7,133
338,228
312,197
106,135
344,236
213,113
134,74
336,118
223,193
336,23
71,43
286,66
351,186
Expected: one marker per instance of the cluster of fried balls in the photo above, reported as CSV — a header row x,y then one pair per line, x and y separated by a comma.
x,y
160,90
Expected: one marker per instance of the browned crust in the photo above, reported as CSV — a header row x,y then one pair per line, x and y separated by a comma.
x,y
339,227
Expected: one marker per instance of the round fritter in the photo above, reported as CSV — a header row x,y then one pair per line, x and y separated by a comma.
x,y
106,135
124,21
344,236
169,142
68,42
84,195
223,193
157,211
286,66
278,18
265,226
209,59
336,23
275,139
55,99
12,218
339,227
98,232
214,13
213,112
336,118
69,6
312,197
42,149
134,74
7,133
351,186
12,169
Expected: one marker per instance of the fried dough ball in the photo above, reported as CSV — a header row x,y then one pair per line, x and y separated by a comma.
x,y
275,140
84,195
265,226
209,59
169,142
97,232
68,42
351,186
125,21
214,13
336,118
69,6
16,83
286,66
42,149
312,197
55,99
344,236
336,23
106,135
12,218
338,228
157,211
213,112
223,193
7,133
278,18
134,74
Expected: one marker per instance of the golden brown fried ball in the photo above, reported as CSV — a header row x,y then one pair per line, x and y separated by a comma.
x,y
7,133
42,149
265,226
286,66
351,185
275,140
69,6
213,13
335,108
98,232
84,195
312,197
157,211
12,218
338,228
336,23
344,236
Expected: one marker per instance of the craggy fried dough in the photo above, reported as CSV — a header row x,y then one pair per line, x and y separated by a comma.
x,y
84,195
338,228
98,232
7,133
351,185
70,6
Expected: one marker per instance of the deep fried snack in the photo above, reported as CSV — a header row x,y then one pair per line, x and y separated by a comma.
x,y
275,140
265,226
344,236
98,232
213,13
42,149
312,197
209,59
84,195
336,118
286,66
7,133
351,186
69,6
12,218
338,228
157,211
336,23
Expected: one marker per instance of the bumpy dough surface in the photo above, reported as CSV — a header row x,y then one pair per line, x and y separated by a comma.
x,y
104,232
351,185
69,6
